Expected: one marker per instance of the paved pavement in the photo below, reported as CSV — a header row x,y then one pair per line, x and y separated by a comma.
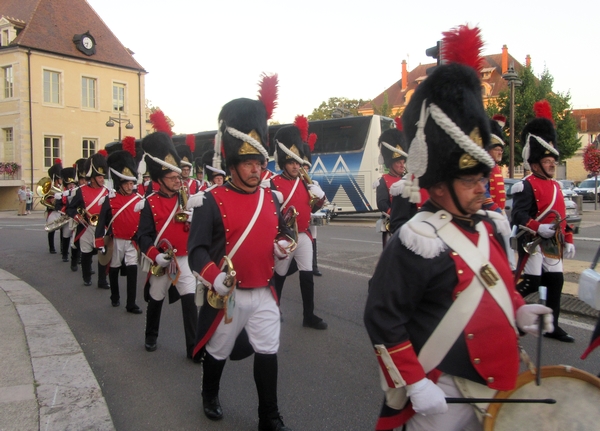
x,y
46,382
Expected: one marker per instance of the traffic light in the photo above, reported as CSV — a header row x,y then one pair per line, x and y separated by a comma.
x,y
437,53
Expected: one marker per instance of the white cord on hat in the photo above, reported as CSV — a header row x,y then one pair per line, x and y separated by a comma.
x,y
287,151
527,149
164,164
123,177
394,149
249,139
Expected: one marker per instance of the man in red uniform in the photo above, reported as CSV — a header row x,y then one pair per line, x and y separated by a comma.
x,y
442,309
162,237
69,182
84,208
120,222
539,209
191,185
306,199
495,196
51,213
214,175
242,221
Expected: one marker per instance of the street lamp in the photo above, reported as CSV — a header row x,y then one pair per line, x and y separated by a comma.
x,y
111,123
513,81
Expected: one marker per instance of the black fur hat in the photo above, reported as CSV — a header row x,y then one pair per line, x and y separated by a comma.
x,y
160,155
69,176
394,138
240,118
496,135
539,137
55,170
122,167
96,166
289,145
185,153
79,166
209,169
198,165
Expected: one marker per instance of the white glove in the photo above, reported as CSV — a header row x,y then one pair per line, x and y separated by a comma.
x,y
280,248
427,398
546,230
569,252
102,250
316,190
163,259
528,318
218,285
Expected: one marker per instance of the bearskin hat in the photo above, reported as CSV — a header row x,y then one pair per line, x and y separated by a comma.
x,y
95,166
185,153
198,164
55,170
69,176
161,156
209,169
445,121
392,146
79,166
539,136
121,167
289,145
496,134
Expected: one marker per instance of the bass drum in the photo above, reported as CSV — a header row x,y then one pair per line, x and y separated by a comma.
x,y
577,395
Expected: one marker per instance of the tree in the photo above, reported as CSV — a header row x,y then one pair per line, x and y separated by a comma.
x,y
325,109
385,109
533,90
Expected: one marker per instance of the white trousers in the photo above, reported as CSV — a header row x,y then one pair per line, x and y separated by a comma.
x,y
303,255
123,248
87,242
255,310
159,286
459,417
538,261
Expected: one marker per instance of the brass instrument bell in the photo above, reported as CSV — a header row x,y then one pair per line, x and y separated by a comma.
x,y
220,301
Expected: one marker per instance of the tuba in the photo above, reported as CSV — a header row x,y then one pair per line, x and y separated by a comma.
x,y
46,191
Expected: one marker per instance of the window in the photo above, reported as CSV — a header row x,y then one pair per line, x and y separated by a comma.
x,y
9,147
51,150
118,97
7,82
5,37
51,87
88,148
88,93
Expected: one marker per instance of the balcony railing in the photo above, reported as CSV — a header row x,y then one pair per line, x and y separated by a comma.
x,y
10,171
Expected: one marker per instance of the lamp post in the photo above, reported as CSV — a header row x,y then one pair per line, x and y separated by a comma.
x,y
112,120
513,81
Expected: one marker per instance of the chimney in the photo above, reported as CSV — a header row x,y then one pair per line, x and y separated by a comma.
x,y
583,124
504,59
528,61
404,75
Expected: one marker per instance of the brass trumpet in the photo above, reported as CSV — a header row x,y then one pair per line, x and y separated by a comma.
x,y
156,269
290,221
181,216
308,180
89,219
220,301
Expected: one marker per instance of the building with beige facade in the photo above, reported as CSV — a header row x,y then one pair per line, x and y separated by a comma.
x,y
64,75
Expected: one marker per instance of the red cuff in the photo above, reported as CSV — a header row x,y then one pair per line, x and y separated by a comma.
x,y
533,224
569,237
210,272
152,252
100,242
406,362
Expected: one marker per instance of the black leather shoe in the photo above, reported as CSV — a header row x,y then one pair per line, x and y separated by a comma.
x,y
150,346
116,303
74,268
317,272
135,310
52,251
212,409
65,259
103,285
273,424
314,322
87,283
560,335
92,271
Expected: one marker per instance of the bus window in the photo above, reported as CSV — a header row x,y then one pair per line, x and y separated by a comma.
x,y
340,135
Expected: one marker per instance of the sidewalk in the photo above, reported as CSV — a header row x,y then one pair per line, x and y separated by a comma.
x,y
46,382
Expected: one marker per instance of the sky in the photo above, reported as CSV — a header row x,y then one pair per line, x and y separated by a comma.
x,y
200,54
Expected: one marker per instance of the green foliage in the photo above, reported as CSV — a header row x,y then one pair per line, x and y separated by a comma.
x,y
385,109
533,90
325,109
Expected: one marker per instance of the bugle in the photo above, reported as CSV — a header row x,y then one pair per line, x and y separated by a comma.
x,y
308,180
220,301
164,244
530,247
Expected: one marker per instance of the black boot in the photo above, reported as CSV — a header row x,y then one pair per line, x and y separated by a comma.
x,y
211,378
315,270
265,377
554,282
74,258
51,242
152,323
529,284
278,281
102,283
113,276
86,268
131,306
307,289
64,248
189,310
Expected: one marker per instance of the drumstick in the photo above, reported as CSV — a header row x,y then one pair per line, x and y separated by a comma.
x,y
499,400
538,373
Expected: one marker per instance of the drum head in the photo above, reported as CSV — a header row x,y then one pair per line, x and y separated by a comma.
x,y
577,395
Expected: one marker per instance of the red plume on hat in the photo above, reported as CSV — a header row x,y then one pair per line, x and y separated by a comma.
x,y
129,145
301,122
463,45
160,123
500,119
103,152
57,161
543,109
398,122
267,93
312,140
190,141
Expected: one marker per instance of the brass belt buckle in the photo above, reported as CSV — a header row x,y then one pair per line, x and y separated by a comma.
x,y
488,275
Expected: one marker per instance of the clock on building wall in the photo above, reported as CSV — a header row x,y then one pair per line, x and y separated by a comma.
x,y
85,43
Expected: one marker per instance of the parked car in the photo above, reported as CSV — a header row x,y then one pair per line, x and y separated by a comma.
x,y
587,189
567,184
573,216
567,192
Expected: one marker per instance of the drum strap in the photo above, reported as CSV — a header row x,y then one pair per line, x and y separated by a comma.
x,y
287,201
459,314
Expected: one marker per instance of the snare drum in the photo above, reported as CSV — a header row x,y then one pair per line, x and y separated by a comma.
x,y
577,395
318,219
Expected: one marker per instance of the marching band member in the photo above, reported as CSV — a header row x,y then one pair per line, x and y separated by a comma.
x,y
162,237
307,152
69,182
199,169
191,185
121,222
51,213
539,209
298,194
495,193
392,151
84,208
242,221
214,175
442,308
